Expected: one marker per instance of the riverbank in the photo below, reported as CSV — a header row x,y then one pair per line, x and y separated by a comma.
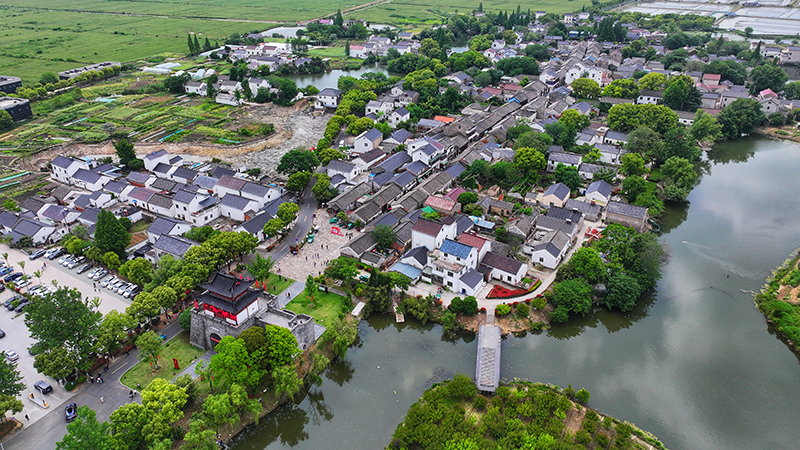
x,y
521,415
779,301
306,371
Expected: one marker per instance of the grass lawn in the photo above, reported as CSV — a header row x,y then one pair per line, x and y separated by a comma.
x,y
324,310
279,285
139,226
178,348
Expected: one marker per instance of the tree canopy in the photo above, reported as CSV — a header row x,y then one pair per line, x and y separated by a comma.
x,y
110,235
298,160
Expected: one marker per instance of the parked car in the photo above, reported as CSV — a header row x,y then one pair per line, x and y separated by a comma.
x,y
2,334
129,291
6,270
55,253
7,303
11,355
35,349
92,272
76,262
43,387
111,279
63,260
71,412
12,276
21,284
22,304
134,292
100,274
2,287
122,288
37,254
115,285
83,268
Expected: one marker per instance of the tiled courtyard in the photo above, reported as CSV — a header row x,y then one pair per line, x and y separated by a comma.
x,y
312,257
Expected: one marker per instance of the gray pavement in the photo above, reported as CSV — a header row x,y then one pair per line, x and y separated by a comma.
x,y
291,292
50,427
305,218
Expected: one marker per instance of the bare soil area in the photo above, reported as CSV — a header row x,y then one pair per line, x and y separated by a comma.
x,y
295,126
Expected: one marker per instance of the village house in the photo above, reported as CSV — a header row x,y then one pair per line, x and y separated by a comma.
x,y
556,195
548,248
328,98
64,168
503,268
627,215
367,141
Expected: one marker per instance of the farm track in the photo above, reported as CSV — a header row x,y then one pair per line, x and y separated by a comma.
x,y
154,16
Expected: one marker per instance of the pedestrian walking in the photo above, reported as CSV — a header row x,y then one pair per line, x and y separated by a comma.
x,y
101,400
306,258
27,418
91,379
130,395
138,386
31,394
105,369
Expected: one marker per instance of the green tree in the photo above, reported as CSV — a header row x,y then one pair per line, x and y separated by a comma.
x,y
384,236
683,96
569,176
298,181
6,122
200,436
286,380
574,295
190,44
65,321
111,260
11,205
347,48
164,402
705,127
633,186
792,90
311,287
144,307
58,363
125,151
592,157
149,347
86,432
298,160
623,291
280,346
260,267
322,188
740,117
532,139
342,268
680,176
467,197
574,120
110,235
127,426
586,88
632,164
273,227
112,331
287,211
622,88
185,319
644,140
48,78
582,396
677,142
138,270
326,155
653,81
587,263
233,364
11,382
767,76
562,134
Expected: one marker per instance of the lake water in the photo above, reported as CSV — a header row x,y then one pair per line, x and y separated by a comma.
x,y
330,78
696,365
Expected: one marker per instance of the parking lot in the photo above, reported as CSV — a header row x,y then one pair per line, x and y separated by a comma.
x,y
64,277
18,339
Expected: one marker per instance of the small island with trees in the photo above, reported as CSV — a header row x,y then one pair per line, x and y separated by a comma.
x,y
522,415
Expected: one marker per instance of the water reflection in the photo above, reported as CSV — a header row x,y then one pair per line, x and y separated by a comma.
x,y
340,372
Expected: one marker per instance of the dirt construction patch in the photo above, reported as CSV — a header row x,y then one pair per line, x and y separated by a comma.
x,y
295,126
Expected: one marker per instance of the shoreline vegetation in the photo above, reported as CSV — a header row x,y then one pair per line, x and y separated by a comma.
x,y
521,415
779,301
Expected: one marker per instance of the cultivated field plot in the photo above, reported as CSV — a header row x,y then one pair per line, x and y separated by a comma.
x,y
421,11
698,8
36,41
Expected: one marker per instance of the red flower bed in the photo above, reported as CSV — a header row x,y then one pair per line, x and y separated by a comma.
x,y
502,292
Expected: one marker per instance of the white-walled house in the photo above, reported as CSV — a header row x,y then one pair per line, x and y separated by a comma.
x,y
431,234
367,140
549,250
151,160
504,268
328,98
91,181
166,226
556,195
599,192
64,168
398,116
348,170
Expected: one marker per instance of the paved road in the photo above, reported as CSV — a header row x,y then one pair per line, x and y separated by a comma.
x,y
45,432
305,218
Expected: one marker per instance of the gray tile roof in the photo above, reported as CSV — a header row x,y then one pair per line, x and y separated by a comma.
x,y
235,202
472,278
28,227
626,209
184,197
500,262
116,186
174,245
162,168
566,158
163,184
560,190
87,176
186,174
420,254
601,187
8,219
564,214
138,177
156,154
230,182
256,190
161,201
163,225
62,161
257,223
341,166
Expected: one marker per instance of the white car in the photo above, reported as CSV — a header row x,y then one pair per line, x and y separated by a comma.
x,y
111,279
11,355
19,285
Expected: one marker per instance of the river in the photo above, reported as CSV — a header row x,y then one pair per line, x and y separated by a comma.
x,y
330,79
696,365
